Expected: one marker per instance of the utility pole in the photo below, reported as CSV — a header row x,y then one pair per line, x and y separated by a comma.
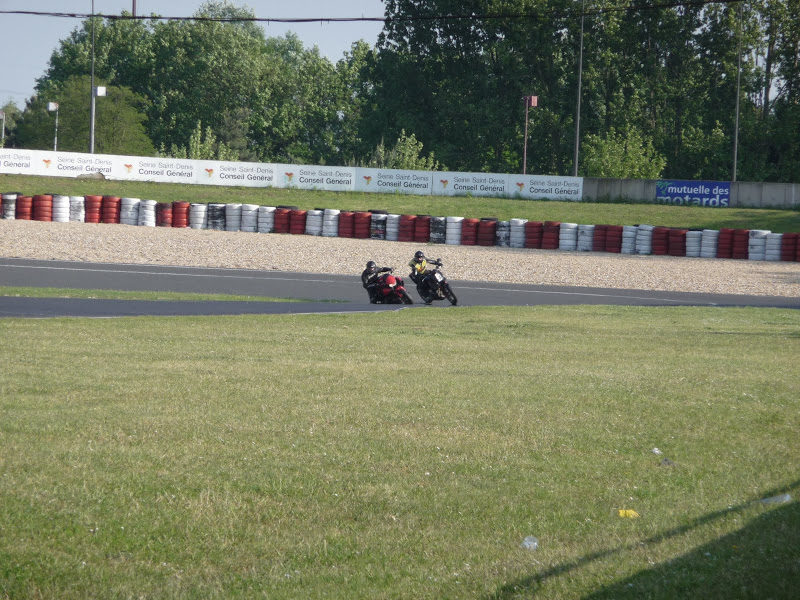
x,y
530,101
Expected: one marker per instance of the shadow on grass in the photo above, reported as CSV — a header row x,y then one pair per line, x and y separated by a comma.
x,y
761,560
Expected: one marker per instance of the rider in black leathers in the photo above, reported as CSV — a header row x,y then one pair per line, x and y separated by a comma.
x,y
369,279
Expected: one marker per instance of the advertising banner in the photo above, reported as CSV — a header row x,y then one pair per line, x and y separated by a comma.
x,y
545,187
245,174
452,183
694,193
314,177
19,162
393,181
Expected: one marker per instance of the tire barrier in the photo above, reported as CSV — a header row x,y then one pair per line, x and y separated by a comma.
x,y
9,205
452,231
129,211
163,214
741,243
751,244
773,247
676,242
438,230
314,221
362,221
629,233
693,240
233,217
708,243
550,235
585,238
92,205
405,229
42,208
534,230
469,232
517,233
422,229
757,245
77,210
377,226
392,227
24,208
249,218
614,239
109,209
660,240
282,215
198,215
487,232
789,247
297,221
644,239
180,214
216,217
725,243
346,223
502,234
60,208
266,219
147,213
568,236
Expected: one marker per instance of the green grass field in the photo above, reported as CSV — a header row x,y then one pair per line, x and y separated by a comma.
x,y
778,221
390,456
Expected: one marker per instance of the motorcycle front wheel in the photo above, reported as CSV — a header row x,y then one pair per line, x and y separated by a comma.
x,y
448,293
406,298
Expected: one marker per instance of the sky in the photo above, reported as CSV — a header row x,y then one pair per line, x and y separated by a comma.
x,y
29,41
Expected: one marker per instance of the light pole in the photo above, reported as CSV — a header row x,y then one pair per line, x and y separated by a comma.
x,y
738,93
3,135
53,107
530,102
92,93
578,109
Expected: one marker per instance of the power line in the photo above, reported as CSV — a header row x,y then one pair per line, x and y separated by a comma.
x,y
448,17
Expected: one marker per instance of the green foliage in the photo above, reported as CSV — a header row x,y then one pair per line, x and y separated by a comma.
x,y
202,146
119,120
405,154
624,155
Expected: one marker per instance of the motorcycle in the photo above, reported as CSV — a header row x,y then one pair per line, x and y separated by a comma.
x,y
390,290
434,286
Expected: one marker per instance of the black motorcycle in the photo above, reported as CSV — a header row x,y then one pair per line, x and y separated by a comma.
x,y
434,286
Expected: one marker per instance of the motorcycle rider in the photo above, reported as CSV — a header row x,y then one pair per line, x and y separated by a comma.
x,y
369,279
419,270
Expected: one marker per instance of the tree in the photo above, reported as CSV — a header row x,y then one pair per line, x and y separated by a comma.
x,y
202,146
119,119
12,114
626,155
406,154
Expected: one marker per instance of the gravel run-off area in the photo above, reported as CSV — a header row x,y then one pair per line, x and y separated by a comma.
x,y
285,252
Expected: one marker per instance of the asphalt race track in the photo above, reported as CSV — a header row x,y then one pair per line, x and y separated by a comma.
x,y
320,293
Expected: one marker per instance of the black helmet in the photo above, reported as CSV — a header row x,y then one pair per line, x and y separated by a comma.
x,y
419,255
371,266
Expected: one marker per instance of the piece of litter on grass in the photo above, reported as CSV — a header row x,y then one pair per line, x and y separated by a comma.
x,y
777,499
666,463
628,513
530,543
657,451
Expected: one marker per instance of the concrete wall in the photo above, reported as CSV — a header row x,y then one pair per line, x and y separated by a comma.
x,y
743,194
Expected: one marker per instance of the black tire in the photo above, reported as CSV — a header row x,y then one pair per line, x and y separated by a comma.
x,y
406,298
448,293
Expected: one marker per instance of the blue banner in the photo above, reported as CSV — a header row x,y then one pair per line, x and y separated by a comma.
x,y
694,193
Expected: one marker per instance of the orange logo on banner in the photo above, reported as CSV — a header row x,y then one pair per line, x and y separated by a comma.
x,y
520,186
210,172
46,162
289,175
129,167
368,178
444,182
